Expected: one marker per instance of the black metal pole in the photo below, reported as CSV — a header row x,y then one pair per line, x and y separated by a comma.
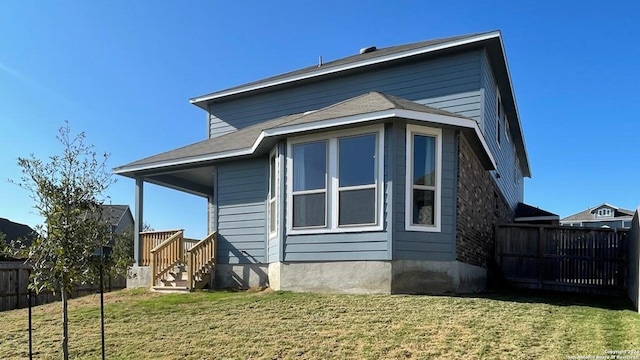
x,y
30,327
102,297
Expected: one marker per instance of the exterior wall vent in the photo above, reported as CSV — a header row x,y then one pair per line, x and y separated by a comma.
x,y
368,49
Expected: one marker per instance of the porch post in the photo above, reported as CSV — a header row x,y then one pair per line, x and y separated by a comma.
x,y
138,220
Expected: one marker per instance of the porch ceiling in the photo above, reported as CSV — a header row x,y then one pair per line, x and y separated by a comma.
x,y
194,180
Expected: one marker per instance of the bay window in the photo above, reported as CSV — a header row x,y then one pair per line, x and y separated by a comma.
x,y
423,177
336,181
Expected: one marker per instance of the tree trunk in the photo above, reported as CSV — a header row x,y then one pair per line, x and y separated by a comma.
x,y
65,324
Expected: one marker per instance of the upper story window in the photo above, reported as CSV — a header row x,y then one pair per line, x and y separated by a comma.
x,y
604,212
274,176
336,181
499,117
507,132
423,178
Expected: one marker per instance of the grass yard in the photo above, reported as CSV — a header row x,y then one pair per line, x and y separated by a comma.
x,y
277,325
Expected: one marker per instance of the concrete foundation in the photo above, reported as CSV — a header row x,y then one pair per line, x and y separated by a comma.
x,y
357,277
138,276
241,276
437,277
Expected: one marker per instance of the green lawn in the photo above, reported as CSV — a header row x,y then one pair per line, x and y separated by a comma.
x,y
275,325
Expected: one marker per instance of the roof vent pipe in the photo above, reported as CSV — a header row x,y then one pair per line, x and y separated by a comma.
x,y
368,50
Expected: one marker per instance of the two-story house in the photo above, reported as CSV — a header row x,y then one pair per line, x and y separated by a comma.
x,y
602,216
384,171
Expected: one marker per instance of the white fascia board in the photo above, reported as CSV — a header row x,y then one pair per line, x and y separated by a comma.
x,y
335,69
195,159
330,123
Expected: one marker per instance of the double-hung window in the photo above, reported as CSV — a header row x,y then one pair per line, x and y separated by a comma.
x,y
310,184
273,192
357,180
336,181
423,179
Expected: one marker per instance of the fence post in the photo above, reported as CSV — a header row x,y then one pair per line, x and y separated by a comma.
x,y
18,288
540,255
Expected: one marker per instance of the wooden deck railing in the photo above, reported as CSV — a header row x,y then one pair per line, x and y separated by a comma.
x,y
189,243
151,239
201,258
166,255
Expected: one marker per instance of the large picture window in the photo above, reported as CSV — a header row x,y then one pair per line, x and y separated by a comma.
x,y
336,181
422,210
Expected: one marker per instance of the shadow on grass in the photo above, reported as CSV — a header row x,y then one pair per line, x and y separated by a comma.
x,y
553,298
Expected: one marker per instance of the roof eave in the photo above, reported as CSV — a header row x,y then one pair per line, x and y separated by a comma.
x,y
470,127
201,101
497,56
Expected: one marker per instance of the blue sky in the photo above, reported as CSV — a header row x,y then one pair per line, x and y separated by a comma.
x,y
123,72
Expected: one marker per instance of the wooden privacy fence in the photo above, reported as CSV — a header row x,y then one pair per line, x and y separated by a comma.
x,y
569,259
14,278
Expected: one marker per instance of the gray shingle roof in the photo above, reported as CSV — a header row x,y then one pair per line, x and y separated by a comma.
x,y
588,214
245,138
378,53
113,213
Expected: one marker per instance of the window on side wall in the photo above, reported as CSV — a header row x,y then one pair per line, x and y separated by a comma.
x,y
274,176
507,131
423,179
499,116
337,181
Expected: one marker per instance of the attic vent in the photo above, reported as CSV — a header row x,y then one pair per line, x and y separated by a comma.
x,y
368,49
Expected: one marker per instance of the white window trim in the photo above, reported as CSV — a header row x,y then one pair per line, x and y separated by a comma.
x,y
408,208
331,208
325,190
276,198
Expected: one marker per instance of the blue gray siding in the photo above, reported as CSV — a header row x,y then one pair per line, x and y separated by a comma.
x,y
330,247
414,245
241,195
449,82
510,183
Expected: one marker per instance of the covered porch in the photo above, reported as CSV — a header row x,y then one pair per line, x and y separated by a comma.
x,y
166,259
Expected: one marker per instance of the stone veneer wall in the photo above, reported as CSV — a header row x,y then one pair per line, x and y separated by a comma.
x,y
480,205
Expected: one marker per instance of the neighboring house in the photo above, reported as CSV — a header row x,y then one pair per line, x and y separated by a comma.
x,y
16,231
601,216
120,218
384,171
